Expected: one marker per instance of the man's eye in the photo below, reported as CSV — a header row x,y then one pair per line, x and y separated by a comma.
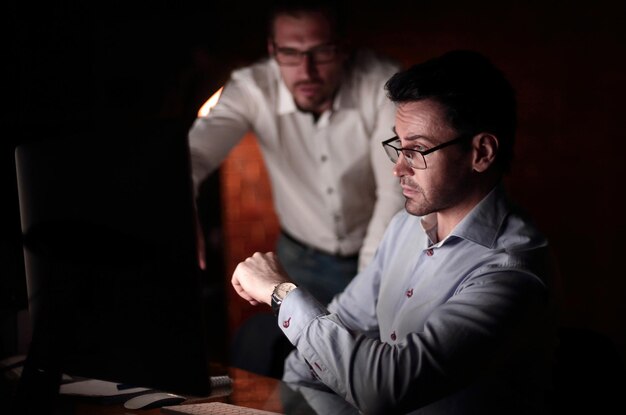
x,y
419,147
325,51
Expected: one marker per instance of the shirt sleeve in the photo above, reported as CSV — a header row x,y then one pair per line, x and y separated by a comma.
x,y
478,325
389,199
297,399
355,308
213,136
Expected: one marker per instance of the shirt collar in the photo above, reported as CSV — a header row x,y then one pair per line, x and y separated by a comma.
x,y
429,224
482,224
285,104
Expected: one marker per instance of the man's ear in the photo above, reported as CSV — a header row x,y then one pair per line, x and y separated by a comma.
x,y
484,148
270,46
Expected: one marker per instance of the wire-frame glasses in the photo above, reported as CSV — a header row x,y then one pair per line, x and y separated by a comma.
x,y
415,158
292,57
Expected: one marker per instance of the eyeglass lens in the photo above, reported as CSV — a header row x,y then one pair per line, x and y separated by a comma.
x,y
413,158
290,56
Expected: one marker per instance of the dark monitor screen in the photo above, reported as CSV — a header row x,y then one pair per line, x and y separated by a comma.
x,y
115,291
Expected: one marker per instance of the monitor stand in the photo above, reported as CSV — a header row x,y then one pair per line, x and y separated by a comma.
x,y
38,388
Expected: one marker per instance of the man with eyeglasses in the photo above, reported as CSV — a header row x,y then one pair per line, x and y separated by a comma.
x,y
318,111
454,313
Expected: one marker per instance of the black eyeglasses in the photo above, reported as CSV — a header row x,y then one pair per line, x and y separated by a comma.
x,y
293,57
415,158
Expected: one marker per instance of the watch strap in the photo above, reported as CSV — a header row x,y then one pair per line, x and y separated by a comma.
x,y
278,295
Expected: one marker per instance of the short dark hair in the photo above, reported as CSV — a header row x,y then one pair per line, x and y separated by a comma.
x,y
476,95
333,10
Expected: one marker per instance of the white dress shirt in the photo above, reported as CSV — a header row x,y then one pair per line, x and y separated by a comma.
x,y
332,184
460,326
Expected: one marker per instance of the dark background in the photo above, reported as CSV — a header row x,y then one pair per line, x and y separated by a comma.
x,y
72,69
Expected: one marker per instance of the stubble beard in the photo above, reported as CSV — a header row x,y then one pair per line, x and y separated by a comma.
x,y
422,204
417,205
312,104
317,102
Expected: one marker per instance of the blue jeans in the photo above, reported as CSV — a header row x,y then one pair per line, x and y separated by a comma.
x,y
323,275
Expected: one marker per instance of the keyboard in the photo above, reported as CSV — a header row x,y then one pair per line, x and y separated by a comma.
x,y
213,408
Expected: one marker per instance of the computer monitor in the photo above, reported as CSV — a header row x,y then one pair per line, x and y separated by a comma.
x,y
115,291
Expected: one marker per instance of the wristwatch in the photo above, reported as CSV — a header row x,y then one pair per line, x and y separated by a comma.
x,y
278,295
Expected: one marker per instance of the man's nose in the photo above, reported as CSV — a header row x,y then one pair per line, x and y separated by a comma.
x,y
402,168
309,65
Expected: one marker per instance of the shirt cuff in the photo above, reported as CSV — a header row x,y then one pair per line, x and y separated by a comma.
x,y
298,310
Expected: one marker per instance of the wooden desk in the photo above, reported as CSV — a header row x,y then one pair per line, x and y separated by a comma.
x,y
249,389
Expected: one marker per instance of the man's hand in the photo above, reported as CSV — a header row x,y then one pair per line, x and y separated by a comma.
x,y
255,278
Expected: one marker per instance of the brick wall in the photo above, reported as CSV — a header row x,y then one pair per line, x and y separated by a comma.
x,y
249,221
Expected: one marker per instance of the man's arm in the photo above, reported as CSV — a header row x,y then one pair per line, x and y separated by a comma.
x,y
355,307
254,278
461,340
389,199
212,137
483,324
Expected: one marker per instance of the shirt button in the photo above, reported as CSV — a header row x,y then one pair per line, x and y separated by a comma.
x,y
323,158
393,336
330,190
429,252
409,293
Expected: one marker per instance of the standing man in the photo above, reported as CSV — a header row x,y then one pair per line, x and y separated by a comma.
x,y
453,315
319,113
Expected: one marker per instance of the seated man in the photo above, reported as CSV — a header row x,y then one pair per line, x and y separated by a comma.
x,y
454,313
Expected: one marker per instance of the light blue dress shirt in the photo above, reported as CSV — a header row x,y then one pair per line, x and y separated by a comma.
x,y
460,326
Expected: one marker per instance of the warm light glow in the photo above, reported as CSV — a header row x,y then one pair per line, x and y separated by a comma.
x,y
210,103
